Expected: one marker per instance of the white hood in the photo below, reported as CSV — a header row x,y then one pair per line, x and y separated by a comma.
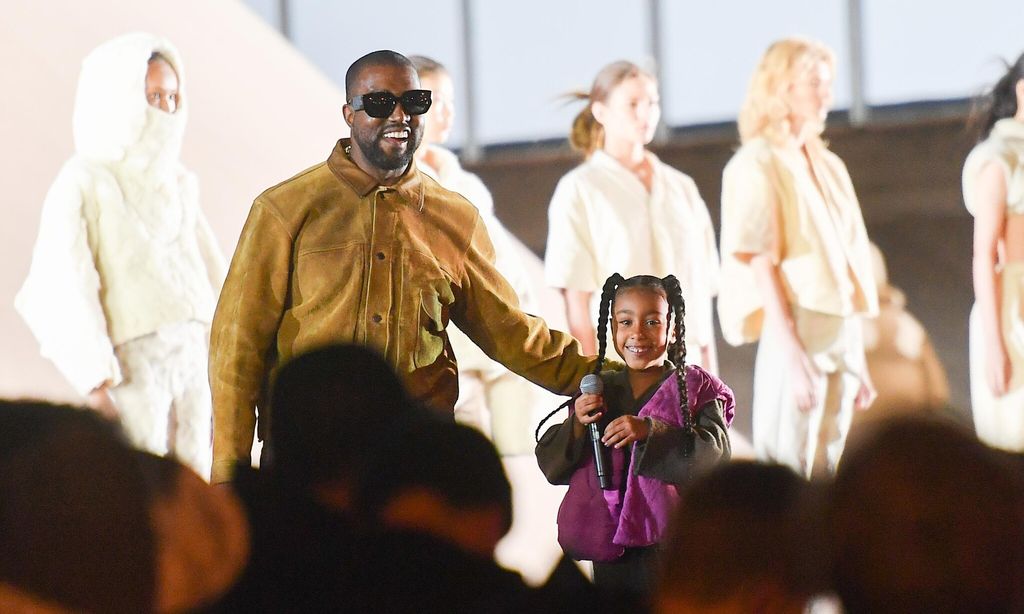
x,y
112,120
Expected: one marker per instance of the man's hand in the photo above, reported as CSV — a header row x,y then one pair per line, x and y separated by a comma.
x,y
625,430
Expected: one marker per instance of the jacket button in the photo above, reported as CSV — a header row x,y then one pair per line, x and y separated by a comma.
x,y
380,255
377,318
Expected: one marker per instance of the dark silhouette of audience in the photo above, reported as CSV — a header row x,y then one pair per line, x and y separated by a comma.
x,y
742,542
437,500
370,503
329,409
88,523
925,518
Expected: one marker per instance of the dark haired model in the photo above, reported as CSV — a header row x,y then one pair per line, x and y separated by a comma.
x,y
993,183
491,398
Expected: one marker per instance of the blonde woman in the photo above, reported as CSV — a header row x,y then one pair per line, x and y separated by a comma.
x,y
625,211
993,183
796,265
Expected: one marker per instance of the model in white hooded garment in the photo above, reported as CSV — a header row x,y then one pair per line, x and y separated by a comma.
x,y
125,272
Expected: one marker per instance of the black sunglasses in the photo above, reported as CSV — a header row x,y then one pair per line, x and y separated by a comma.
x,y
382,104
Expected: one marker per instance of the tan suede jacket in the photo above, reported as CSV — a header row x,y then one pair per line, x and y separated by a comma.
x,y
330,256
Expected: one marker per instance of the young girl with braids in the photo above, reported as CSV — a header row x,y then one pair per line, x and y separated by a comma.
x,y
661,420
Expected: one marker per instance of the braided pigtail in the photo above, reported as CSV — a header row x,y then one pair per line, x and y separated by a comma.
x,y
607,298
677,352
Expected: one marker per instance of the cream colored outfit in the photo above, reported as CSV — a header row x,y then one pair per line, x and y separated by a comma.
x,y
772,204
492,399
126,269
1000,421
602,220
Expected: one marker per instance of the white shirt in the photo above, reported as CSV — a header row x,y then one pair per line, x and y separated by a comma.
x,y
804,212
602,221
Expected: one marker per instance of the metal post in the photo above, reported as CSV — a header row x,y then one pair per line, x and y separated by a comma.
x,y
855,39
471,150
657,52
283,19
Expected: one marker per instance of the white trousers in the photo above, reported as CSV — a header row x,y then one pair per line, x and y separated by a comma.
x,y
808,441
999,422
164,399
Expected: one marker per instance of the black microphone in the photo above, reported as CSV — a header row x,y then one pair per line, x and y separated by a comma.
x,y
592,384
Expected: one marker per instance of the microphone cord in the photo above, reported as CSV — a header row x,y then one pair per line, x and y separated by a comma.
x,y
536,434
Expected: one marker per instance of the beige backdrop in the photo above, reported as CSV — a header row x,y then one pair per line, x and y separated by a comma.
x,y
259,113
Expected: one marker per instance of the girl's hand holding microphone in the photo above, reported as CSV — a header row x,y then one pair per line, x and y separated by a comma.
x,y
619,432
588,407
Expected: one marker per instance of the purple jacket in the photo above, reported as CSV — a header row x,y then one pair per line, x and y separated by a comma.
x,y
598,525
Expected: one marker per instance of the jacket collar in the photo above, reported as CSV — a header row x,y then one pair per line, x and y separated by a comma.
x,y
409,186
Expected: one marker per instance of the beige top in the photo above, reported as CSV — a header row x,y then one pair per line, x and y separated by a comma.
x,y
772,203
1004,145
602,220
123,248
118,257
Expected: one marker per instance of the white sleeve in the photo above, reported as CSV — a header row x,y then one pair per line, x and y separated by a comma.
x,y
748,228
569,259
60,299
979,157
748,207
209,248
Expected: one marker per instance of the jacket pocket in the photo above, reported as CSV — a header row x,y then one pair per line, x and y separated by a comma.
x,y
430,333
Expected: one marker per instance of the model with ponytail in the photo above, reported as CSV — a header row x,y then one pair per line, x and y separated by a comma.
x,y
625,210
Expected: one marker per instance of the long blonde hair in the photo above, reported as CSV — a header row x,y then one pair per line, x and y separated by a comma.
x,y
765,111
587,134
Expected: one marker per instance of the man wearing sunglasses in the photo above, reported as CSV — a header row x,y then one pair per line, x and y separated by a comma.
x,y
364,248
